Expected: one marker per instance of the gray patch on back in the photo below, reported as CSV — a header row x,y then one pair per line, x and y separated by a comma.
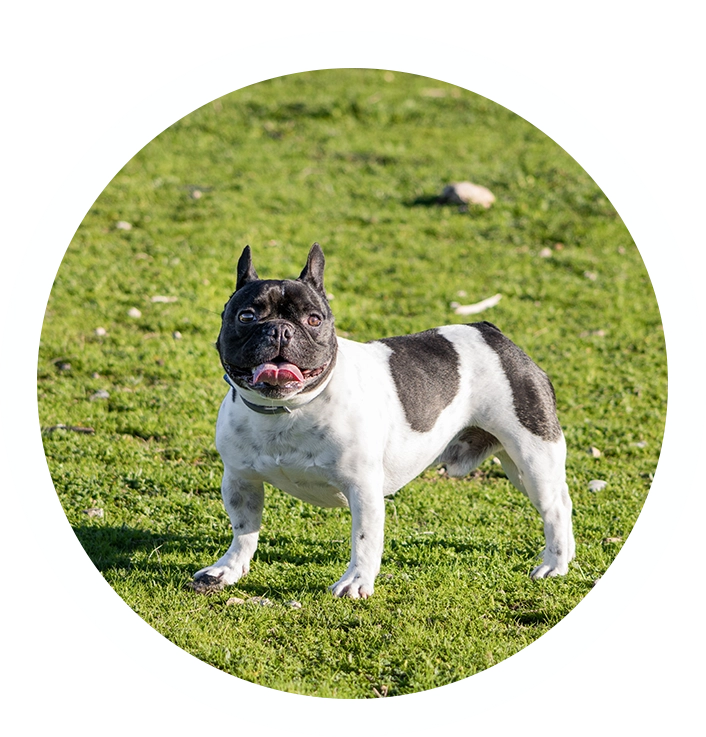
x,y
425,369
532,391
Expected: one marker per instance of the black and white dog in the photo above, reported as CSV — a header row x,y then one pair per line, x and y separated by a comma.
x,y
338,423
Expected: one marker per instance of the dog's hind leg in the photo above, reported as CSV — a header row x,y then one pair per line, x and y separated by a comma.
x,y
537,469
244,502
511,471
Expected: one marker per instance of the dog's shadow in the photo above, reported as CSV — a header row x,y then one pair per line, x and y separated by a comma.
x,y
120,550
122,547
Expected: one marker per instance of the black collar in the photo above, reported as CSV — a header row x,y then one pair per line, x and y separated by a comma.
x,y
262,409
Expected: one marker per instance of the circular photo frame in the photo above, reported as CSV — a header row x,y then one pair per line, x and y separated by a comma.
x,y
571,640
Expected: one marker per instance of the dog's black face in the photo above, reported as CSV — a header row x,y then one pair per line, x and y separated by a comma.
x,y
277,336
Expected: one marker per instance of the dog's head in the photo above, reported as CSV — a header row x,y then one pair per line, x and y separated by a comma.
x,y
277,336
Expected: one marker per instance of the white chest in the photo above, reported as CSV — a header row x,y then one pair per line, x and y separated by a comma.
x,y
300,458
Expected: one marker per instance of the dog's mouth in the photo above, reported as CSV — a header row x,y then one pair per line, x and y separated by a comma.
x,y
277,373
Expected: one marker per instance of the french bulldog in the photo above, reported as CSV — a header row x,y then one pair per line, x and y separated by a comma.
x,y
343,424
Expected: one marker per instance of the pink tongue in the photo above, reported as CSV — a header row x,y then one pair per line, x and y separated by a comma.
x,y
276,374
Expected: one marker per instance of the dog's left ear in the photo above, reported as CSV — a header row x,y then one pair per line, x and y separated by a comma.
x,y
246,272
313,272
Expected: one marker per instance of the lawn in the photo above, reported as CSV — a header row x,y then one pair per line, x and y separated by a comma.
x,y
129,386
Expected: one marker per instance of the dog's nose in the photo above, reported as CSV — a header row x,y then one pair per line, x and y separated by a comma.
x,y
280,332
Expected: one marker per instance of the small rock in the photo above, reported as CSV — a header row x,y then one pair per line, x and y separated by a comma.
x,y
100,394
612,539
467,193
597,485
293,604
162,298
123,225
176,335
100,332
594,452
545,252
259,601
196,194
639,444
134,312
94,512
95,375
234,600
64,366
590,275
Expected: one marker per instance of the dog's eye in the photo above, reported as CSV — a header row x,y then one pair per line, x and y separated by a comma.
x,y
314,321
246,316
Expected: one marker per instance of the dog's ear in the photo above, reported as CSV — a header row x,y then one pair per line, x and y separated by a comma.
x,y
246,272
313,272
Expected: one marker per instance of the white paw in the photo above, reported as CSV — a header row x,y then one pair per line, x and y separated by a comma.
x,y
546,570
353,584
215,578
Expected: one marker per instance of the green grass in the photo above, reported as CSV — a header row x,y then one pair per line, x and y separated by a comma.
x,y
351,159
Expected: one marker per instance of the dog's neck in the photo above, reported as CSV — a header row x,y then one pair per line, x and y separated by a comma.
x,y
270,409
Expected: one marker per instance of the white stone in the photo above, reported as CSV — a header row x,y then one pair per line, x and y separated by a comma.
x,y
465,193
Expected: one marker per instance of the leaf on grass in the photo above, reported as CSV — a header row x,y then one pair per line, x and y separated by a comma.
x,y
597,485
477,307
70,428
259,601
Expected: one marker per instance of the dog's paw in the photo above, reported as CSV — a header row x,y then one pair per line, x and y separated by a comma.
x,y
353,585
215,578
548,571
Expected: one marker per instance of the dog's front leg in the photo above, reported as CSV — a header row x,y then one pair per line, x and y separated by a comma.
x,y
244,501
367,505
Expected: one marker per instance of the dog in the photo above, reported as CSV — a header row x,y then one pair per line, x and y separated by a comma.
x,y
343,424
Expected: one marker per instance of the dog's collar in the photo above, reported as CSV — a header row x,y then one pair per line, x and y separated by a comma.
x,y
262,409
265,410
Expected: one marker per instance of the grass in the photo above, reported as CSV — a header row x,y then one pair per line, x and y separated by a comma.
x,y
353,159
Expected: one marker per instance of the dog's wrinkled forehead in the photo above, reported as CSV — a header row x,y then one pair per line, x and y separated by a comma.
x,y
278,297
284,298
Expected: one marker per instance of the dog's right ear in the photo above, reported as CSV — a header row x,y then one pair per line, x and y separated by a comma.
x,y
246,272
